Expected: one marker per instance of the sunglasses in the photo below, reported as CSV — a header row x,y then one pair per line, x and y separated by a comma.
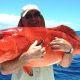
x,y
29,16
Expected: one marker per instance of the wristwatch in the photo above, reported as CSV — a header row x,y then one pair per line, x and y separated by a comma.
x,y
71,50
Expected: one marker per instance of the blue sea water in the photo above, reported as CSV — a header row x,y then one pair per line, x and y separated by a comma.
x,y
71,73
5,77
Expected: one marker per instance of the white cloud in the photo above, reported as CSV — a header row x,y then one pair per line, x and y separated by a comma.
x,y
8,20
11,20
52,23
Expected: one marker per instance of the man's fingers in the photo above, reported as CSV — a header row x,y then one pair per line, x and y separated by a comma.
x,y
34,43
43,50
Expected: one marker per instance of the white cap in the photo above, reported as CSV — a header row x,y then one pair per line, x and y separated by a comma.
x,y
27,8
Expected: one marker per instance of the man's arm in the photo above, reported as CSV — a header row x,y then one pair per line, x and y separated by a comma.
x,y
60,44
10,66
14,65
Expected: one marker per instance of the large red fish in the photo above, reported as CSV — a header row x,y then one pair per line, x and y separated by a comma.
x,y
15,41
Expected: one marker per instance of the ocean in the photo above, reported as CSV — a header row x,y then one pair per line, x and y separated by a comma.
x,y
70,73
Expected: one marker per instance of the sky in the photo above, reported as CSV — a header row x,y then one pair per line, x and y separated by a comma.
x,y
55,12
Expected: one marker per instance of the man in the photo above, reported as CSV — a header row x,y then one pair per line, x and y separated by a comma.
x,y
31,17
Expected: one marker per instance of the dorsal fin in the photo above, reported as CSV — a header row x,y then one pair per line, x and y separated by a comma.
x,y
68,31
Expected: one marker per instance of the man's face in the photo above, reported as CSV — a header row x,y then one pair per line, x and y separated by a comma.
x,y
32,19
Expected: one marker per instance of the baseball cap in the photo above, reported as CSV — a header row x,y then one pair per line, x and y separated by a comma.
x,y
27,8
